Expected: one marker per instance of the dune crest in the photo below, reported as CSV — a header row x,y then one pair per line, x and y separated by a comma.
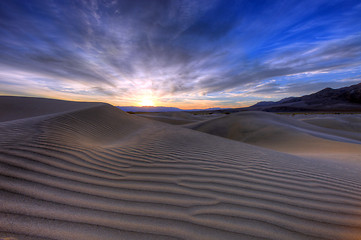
x,y
282,133
99,173
15,108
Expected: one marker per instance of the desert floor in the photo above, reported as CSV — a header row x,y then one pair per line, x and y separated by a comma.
x,y
90,171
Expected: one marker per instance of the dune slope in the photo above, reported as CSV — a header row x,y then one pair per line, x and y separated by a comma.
x,y
344,122
99,173
178,118
283,134
12,108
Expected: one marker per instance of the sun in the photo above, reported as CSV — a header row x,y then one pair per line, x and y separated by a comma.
x,y
146,101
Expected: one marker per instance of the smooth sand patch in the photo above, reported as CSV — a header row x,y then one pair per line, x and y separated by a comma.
x,y
285,134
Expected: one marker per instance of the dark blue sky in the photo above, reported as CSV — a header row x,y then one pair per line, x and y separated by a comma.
x,y
178,53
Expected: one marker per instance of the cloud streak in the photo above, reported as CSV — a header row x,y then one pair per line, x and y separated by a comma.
x,y
175,49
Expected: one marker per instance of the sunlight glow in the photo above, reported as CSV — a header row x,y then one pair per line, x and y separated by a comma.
x,y
146,101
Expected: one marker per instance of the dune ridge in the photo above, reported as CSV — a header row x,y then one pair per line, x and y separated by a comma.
x,y
99,173
287,134
344,122
177,118
13,108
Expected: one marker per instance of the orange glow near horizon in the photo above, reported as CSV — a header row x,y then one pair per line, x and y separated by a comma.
x,y
146,101
143,100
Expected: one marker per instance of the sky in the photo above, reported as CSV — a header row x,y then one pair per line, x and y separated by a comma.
x,y
186,54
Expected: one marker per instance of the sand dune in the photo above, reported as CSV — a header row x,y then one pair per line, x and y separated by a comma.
x,y
344,122
12,108
178,118
284,134
99,173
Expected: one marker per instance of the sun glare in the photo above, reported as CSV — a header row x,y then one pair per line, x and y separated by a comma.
x,y
146,101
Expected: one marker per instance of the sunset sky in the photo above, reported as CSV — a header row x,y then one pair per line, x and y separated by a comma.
x,y
186,54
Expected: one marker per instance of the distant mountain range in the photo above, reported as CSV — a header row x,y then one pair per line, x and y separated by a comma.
x,y
328,99
159,109
149,109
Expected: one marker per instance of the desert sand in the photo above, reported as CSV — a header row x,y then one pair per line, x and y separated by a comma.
x,y
91,171
321,136
179,118
345,122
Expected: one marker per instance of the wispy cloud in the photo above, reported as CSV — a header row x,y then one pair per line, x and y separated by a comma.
x,y
118,50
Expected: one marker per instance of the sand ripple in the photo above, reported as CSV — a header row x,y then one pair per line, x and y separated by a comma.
x,y
99,173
